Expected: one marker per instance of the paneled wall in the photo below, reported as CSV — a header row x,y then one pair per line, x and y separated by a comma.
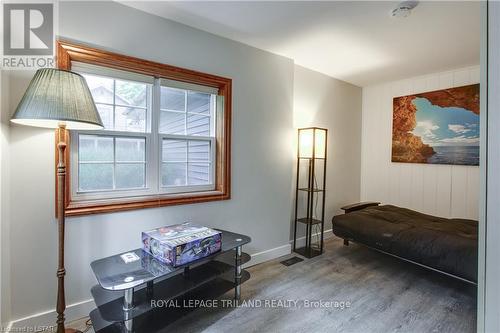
x,y
442,190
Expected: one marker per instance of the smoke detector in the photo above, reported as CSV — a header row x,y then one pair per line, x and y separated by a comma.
x,y
404,9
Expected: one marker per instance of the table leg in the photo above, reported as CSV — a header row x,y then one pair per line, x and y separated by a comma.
x,y
237,274
128,304
129,325
128,299
149,289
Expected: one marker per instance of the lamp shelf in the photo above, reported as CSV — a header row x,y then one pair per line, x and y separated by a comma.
x,y
307,220
310,158
305,189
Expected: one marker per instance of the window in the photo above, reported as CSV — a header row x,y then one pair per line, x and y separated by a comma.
x,y
165,138
178,133
187,129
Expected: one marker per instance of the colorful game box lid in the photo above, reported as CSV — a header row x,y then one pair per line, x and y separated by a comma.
x,y
179,234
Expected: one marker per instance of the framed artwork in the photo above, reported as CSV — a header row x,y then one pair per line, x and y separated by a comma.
x,y
437,127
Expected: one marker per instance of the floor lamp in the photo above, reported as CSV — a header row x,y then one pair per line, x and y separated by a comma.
x,y
58,99
311,152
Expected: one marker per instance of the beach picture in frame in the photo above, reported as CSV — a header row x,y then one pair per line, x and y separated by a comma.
x,y
437,127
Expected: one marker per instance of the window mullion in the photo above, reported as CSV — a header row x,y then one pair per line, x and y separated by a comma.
x,y
213,106
114,104
185,113
212,161
75,160
187,161
186,137
154,150
118,134
114,163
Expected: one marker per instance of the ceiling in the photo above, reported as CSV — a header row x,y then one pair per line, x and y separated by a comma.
x,y
355,41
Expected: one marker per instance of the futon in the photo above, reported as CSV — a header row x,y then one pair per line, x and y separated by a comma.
x,y
446,245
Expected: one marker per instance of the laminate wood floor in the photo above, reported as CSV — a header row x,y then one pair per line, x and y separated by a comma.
x,y
385,295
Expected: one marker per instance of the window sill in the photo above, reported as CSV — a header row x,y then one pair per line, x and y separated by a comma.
x,y
78,208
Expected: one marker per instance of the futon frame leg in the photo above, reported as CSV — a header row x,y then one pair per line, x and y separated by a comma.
x,y
346,242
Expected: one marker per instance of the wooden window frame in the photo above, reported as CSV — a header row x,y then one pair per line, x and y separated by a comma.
x,y
68,52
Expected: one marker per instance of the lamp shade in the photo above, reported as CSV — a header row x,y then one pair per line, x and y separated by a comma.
x,y
57,97
312,142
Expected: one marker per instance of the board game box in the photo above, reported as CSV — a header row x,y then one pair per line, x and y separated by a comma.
x,y
181,243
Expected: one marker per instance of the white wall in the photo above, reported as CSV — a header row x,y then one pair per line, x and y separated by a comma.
x,y
489,246
483,124
322,101
4,200
2,135
262,158
442,190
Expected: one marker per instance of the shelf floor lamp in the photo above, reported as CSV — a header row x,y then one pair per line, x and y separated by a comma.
x,y
311,153
58,99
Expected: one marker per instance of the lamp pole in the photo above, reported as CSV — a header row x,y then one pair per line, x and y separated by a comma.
x,y
61,192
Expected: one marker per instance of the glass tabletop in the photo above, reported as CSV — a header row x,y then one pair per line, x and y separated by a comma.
x,y
131,269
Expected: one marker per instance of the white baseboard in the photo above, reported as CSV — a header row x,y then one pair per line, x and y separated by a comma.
x,y
283,250
260,257
83,308
48,318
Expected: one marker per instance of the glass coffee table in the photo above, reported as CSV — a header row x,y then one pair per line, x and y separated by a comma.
x,y
137,293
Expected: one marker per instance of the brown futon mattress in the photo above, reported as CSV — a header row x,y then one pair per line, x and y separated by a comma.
x,y
448,245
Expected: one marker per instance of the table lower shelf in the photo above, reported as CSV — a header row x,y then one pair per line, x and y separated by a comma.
x,y
110,303
156,319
